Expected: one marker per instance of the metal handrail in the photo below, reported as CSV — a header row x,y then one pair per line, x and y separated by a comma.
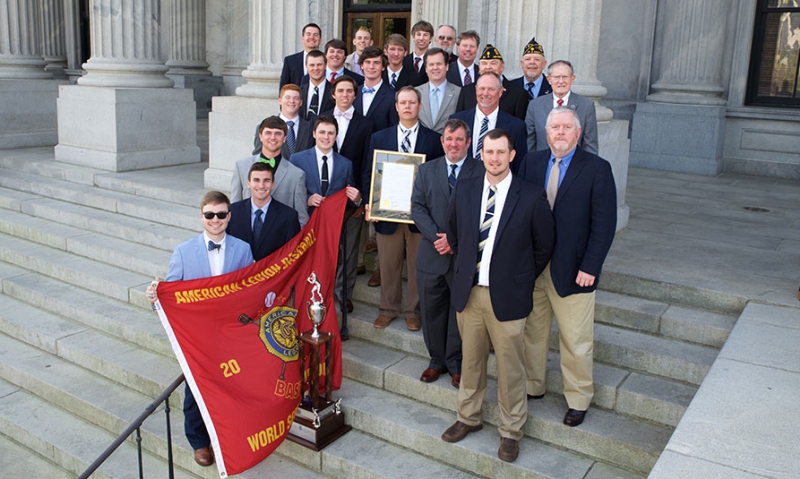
x,y
135,426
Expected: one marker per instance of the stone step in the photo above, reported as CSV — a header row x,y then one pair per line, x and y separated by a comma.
x,y
72,269
68,441
107,249
418,426
33,464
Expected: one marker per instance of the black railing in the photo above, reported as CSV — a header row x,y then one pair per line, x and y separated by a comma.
x,y
136,426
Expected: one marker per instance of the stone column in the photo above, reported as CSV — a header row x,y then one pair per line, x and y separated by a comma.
x,y
124,114
443,12
52,33
27,92
72,42
238,44
681,126
187,64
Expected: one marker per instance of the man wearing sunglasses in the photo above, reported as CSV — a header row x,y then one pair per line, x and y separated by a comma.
x,y
211,253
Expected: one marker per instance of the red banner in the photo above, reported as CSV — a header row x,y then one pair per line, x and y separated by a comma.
x,y
234,336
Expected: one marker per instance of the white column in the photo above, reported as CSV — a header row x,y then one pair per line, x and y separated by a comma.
x,y
52,33
188,38
125,38
443,12
237,21
72,46
690,40
20,52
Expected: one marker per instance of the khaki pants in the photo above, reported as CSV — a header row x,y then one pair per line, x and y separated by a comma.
x,y
391,249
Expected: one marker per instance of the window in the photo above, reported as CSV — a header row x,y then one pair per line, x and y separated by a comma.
x,y
773,79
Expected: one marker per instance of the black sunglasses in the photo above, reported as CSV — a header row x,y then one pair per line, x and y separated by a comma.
x,y
210,214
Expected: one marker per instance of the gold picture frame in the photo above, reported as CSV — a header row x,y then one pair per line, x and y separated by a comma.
x,y
394,203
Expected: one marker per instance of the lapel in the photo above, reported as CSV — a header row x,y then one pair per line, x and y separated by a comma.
x,y
201,258
352,129
475,213
575,167
310,160
508,207
229,254
280,174
442,173
422,138
449,96
269,221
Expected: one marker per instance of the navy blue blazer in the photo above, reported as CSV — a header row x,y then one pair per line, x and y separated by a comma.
x,y
428,142
280,225
325,99
382,112
585,214
416,78
350,73
514,126
544,88
356,143
523,245
454,74
405,78
293,69
338,178
514,99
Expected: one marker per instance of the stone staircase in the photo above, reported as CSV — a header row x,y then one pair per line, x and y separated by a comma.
x,y
82,354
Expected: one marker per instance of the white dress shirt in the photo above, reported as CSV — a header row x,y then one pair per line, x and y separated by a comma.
x,y
499,202
344,123
401,134
476,127
216,258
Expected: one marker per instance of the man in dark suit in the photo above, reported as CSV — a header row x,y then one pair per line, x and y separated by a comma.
x,y
444,39
262,221
513,100
315,90
298,130
561,75
433,187
501,231
375,99
395,239
487,115
395,47
211,253
464,71
580,188
293,65
421,38
533,63
335,53
328,172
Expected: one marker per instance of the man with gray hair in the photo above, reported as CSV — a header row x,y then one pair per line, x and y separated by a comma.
x,y
445,39
560,75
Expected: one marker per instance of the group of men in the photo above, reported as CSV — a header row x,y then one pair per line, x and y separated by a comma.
x,y
513,211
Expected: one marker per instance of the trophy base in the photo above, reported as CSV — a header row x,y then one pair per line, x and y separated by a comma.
x,y
331,427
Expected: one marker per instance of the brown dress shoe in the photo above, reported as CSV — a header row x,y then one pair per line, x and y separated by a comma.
x,y
413,324
430,375
574,417
370,246
459,431
361,269
375,279
455,380
509,449
203,456
382,321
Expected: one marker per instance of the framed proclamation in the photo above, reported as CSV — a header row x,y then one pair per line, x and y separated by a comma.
x,y
393,174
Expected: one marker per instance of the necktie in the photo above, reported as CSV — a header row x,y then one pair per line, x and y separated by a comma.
x,y
467,77
270,162
258,224
560,102
484,129
348,115
530,89
434,104
314,107
394,80
486,225
324,179
212,246
333,76
416,64
367,90
291,140
552,182
451,178
407,142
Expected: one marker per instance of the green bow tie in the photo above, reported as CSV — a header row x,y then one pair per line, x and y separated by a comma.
x,y
270,162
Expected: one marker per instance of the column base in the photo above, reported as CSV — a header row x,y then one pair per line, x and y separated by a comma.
x,y
28,113
685,138
205,88
232,126
127,128
615,148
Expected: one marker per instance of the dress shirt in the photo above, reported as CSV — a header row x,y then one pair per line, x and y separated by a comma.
x,y
458,167
562,169
307,102
461,69
537,84
476,127
566,99
296,121
389,74
499,202
421,60
441,88
216,258
305,57
253,209
401,134
319,165
328,72
356,66
366,98
343,124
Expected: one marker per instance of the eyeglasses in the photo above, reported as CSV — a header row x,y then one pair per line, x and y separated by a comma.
x,y
219,214
443,38
560,77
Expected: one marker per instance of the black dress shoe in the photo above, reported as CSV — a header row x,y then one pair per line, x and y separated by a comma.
x,y
574,417
349,306
538,396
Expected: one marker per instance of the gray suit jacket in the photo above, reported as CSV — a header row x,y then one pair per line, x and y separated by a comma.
x,y
429,201
447,108
289,186
536,118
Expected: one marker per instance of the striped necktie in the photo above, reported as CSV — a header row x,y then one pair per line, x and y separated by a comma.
x,y
484,129
406,145
485,226
451,178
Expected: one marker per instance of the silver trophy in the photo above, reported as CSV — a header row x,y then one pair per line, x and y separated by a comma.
x,y
315,306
